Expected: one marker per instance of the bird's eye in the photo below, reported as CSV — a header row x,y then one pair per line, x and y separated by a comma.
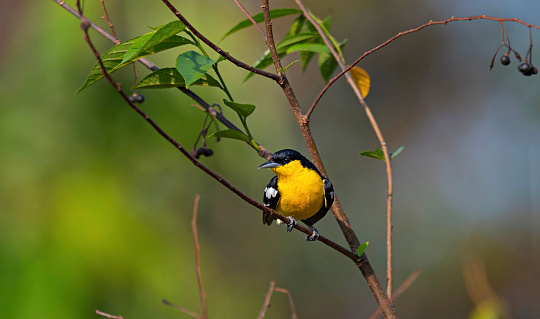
x,y
286,160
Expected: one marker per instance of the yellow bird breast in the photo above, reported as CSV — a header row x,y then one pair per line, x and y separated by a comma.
x,y
301,191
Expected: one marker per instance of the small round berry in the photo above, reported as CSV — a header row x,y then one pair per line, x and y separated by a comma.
x,y
208,152
525,68
139,98
131,98
505,60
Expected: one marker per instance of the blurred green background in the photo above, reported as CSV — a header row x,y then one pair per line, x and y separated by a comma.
x,y
95,206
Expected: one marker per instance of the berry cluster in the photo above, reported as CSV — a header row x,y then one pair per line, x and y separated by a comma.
x,y
202,151
526,68
136,98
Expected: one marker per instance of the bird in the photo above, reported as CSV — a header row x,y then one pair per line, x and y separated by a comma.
x,y
298,191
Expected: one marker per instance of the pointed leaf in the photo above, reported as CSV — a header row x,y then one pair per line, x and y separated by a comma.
x,y
311,47
112,59
266,59
193,65
243,109
259,17
230,133
149,40
327,64
361,79
360,250
170,78
397,152
378,154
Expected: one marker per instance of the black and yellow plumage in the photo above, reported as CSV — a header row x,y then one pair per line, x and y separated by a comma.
x,y
298,190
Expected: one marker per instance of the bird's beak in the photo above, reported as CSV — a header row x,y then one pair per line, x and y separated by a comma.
x,y
269,164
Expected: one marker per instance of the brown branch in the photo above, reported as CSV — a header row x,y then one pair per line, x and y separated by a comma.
x,y
250,18
268,296
214,47
403,33
183,309
104,314
202,294
400,290
291,302
106,17
266,303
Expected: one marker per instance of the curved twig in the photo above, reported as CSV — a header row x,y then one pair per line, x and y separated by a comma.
x,y
214,47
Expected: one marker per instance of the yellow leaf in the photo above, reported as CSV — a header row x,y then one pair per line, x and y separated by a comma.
x,y
361,78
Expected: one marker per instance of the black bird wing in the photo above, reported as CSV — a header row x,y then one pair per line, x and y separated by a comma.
x,y
271,199
328,201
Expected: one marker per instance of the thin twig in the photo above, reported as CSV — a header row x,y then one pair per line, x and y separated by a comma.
x,y
400,290
202,294
266,303
291,302
106,17
183,309
268,296
214,47
403,33
104,314
250,18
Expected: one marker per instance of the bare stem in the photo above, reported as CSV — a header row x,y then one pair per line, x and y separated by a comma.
x,y
250,18
202,294
106,17
106,315
400,290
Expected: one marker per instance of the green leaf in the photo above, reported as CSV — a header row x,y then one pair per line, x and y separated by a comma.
x,y
150,40
392,155
266,59
259,17
171,78
327,64
378,154
112,59
243,109
288,66
193,65
230,133
311,47
360,250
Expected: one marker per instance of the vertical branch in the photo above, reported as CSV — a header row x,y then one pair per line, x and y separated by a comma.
x,y
202,294
266,303
291,302
106,17
380,137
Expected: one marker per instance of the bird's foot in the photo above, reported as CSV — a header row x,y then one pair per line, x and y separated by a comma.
x,y
291,225
314,235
